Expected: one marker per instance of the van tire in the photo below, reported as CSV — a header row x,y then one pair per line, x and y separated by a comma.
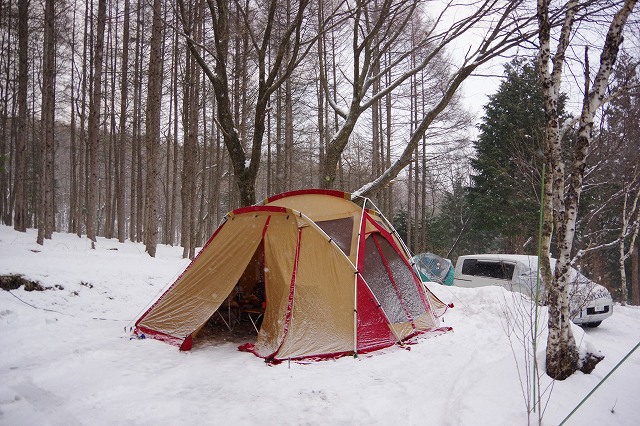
x,y
592,324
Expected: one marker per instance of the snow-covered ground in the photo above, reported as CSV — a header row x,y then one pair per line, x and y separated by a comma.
x,y
66,358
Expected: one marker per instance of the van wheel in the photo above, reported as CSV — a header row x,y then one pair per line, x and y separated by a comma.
x,y
592,324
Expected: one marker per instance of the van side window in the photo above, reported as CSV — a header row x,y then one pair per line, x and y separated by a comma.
x,y
481,268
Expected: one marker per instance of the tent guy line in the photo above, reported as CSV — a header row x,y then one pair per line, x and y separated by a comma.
x,y
64,313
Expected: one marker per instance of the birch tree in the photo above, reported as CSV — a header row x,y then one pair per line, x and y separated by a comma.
x,y
562,353
630,219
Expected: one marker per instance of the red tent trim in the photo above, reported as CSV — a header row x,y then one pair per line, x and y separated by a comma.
x,y
433,332
369,305
187,344
387,337
331,192
158,335
250,347
253,209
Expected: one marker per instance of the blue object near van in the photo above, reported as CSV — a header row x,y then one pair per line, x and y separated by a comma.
x,y
433,268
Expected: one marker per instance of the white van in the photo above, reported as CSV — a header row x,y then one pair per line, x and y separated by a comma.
x,y
590,303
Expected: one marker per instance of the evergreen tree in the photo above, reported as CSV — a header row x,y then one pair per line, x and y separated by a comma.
x,y
450,230
400,224
504,195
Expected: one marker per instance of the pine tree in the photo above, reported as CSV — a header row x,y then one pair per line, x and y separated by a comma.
x,y
505,195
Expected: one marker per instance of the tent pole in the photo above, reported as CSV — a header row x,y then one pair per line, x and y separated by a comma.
x,y
355,283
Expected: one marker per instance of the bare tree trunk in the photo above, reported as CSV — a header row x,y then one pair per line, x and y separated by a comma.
x,y
124,95
73,172
551,80
94,123
269,80
204,160
319,90
6,150
279,144
82,149
376,167
409,205
214,178
137,201
152,130
167,237
190,146
20,204
109,125
635,281
424,174
562,354
624,294
174,181
288,135
630,222
45,192
386,158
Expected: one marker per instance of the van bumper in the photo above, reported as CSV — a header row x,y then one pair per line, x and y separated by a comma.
x,y
594,311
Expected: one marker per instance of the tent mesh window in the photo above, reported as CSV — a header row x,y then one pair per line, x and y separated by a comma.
x,y
403,278
377,277
339,230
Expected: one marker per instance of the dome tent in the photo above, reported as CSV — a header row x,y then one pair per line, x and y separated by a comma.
x,y
336,279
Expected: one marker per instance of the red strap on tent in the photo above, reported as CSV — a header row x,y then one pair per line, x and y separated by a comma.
x,y
264,230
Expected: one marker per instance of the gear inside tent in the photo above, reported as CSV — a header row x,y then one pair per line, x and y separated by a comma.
x,y
327,276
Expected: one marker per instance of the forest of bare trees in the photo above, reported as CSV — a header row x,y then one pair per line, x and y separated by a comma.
x,y
149,120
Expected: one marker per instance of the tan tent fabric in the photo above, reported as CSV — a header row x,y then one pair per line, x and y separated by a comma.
x,y
280,245
324,208
207,283
317,208
324,295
